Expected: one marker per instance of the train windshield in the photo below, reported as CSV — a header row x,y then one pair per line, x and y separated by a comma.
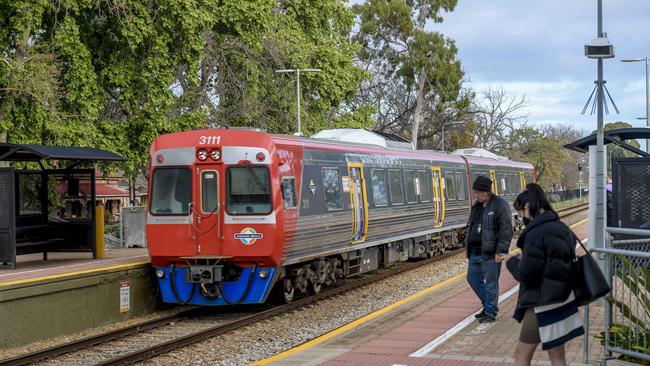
x,y
248,190
171,191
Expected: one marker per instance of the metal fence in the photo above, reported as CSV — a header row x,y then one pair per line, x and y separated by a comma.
x,y
132,227
627,307
569,198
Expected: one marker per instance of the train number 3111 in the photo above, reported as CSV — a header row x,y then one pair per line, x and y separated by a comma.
x,y
209,140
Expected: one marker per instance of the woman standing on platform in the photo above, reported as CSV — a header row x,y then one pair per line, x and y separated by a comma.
x,y
546,306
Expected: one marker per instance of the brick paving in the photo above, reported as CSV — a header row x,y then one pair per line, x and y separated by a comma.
x,y
392,338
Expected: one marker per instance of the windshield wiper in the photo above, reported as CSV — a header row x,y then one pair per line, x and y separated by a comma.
x,y
257,179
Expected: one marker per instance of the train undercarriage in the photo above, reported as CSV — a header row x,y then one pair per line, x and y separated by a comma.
x,y
310,277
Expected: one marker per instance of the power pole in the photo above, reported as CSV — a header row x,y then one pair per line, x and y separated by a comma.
x,y
599,239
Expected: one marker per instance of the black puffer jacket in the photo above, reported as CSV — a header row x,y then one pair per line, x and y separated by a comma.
x,y
545,271
496,227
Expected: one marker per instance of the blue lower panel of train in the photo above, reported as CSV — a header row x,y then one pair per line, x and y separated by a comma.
x,y
237,292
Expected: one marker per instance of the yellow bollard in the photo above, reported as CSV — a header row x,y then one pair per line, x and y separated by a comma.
x,y
99,232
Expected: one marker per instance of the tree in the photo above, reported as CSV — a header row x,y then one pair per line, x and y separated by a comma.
x,y
397,48
116,74
615,151
565,133
498,114
96,73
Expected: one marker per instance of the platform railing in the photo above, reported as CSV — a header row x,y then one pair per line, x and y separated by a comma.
x,y
627,307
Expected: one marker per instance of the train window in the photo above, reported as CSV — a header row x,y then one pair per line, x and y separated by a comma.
x,y
379,189
248,190
425,186
289,191
514,184
409,180
395,185
208,191
171,191
450,187
332,188
461,189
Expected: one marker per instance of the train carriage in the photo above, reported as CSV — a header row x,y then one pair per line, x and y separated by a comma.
x,y
236,213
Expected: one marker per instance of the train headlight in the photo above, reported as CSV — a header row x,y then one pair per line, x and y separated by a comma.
x,y
260,156
263,273
202,154
160,273
215,154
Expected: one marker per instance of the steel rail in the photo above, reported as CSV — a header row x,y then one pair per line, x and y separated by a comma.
x,y
572,210
90,341
217,330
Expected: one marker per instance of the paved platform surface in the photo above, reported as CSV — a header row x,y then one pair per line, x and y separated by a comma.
x,y
33,267
419,333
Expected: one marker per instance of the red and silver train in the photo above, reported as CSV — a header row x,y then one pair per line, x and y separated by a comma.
x,y
234,214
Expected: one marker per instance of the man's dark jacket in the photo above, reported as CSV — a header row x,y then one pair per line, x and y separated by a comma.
x,y
545,271
496,227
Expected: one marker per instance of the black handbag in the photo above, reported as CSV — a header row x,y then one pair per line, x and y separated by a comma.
x,y
590,283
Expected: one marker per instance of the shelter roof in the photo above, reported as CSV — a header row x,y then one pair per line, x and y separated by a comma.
x,y
617,137
28,152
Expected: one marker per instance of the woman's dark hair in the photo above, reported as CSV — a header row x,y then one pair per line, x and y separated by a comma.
x,y
535,198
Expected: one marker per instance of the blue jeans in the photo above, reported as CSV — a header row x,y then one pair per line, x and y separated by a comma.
x,y
483,277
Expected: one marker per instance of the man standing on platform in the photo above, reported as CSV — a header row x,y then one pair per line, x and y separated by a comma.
x,y
488,243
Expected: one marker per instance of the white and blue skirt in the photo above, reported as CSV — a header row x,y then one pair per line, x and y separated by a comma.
x,y
558,323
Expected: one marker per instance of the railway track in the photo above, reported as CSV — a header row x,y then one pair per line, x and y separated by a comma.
x,y
572,210
218,325
174,320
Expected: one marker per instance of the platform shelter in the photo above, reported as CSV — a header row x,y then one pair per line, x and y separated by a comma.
x,y
43,210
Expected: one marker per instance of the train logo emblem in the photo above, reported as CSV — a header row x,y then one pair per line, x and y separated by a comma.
x,y
248,236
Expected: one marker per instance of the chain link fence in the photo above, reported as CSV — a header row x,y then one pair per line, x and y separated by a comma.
x,y
626,333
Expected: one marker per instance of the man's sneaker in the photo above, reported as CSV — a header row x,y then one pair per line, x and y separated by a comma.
x,y
480,315
487,319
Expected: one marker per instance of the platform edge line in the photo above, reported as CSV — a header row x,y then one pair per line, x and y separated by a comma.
x,y
357,322
71,274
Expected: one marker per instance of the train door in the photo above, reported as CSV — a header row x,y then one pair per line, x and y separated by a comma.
x,y
205,211
438,197
359,202
522,180
493,176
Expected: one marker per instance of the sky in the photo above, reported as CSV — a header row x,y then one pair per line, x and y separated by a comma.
x,y
536,48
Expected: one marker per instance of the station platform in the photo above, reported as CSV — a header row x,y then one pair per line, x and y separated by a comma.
x,y
435,327
71,292
32,267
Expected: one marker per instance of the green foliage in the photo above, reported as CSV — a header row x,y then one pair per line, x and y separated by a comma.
x,y
394,41
614,151
634,333
116,74
544,152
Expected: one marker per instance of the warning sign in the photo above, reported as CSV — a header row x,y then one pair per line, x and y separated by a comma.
x,y
125,297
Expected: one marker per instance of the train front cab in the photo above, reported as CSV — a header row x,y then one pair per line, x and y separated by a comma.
x,y
211,224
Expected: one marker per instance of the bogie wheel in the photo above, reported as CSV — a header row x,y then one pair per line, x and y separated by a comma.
x,y
287,290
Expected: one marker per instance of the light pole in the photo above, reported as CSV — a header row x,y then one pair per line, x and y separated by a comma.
x,y
443,131
647,96
298,71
